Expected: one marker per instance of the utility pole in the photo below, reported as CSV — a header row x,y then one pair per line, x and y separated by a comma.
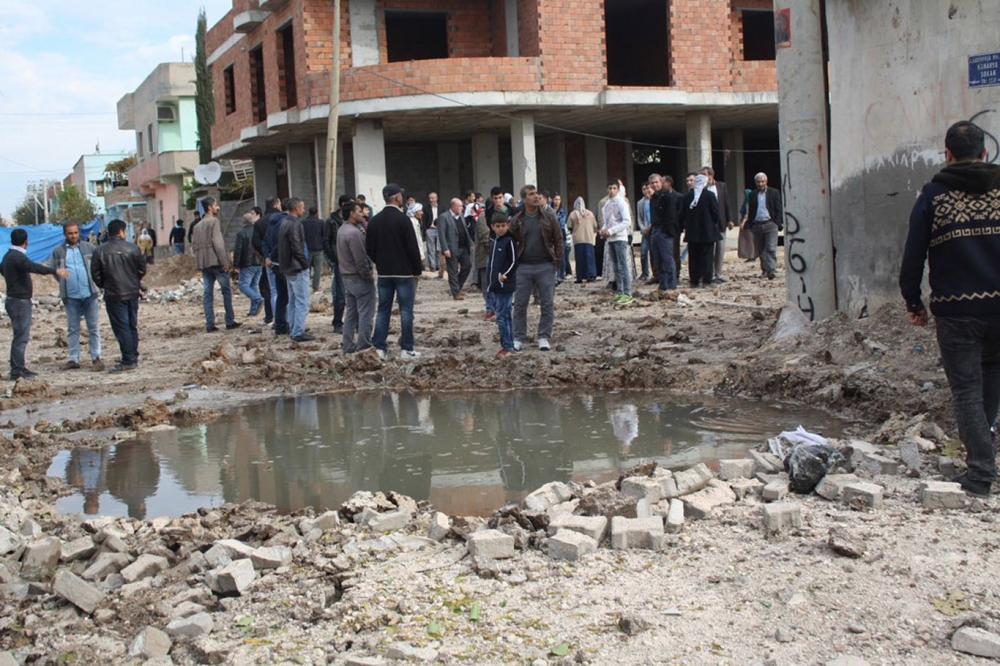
x,y
805,157
333,121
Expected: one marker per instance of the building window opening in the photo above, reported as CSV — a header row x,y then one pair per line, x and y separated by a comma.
x,y
416,35
636,37
758,34
229,80
287,93
258,95
149,139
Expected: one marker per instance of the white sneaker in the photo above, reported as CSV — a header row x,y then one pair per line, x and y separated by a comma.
x,y
518,345
543,344
381,354
409,355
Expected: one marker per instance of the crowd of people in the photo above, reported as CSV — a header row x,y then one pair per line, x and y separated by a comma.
x,y
512,250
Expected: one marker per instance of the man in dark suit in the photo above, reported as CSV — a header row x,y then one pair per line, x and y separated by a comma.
x,y
726,222
765,216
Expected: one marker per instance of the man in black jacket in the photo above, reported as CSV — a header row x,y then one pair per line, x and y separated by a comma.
x,y
293,264
663,231
314,230
392,246
333,225
954,225
17,269
271,205
245,259
117,267
766,215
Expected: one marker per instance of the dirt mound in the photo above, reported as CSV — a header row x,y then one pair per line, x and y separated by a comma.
x,y
170,271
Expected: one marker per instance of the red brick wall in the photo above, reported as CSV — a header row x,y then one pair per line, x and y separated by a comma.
x,y
572,45
701,47
469,33
750,75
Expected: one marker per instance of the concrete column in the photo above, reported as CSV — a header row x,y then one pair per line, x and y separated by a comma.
x,y
513,35
265,179
485,162
596,156
802,108
449,182
522,146
735,172
699,140
302,173
369,161
364,36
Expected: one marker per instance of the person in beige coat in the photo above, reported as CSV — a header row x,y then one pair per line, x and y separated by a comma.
x,y
582,226
211,258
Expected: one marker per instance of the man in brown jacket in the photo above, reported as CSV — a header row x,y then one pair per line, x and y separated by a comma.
x,y
539,255
212,259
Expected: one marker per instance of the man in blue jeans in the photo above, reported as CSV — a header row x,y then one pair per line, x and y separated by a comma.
x,y
953,225
79,295
212,259
117,267
392,247
293,264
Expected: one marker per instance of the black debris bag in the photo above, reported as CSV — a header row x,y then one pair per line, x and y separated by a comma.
x,y
807,464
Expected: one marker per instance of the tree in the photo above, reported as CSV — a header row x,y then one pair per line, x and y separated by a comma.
x,y
204,100
74,206
29,212
118,170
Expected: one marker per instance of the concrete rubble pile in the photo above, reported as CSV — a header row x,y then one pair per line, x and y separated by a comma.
x,y
171,590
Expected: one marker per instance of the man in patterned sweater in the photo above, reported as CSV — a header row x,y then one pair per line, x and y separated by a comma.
x,y
955,224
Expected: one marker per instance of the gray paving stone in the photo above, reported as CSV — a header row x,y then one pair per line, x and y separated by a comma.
x,y
492,544
781,516
595,527
236,549
234,578
700,504
942,495
765,462
570,545
77,549
39,557
876,464
733,468
271,557
104,565
390,521
642,487
675,516
628,533
979,642
548,495
440,526
149,643
77,591
775,491
146,565
868,494
191,626
831,486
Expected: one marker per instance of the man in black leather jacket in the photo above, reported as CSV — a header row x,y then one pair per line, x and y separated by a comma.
x,y
117,267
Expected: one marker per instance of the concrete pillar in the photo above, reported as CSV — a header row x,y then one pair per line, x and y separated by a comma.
x,y
699,140
802,107
364,36
596,156
369,161
449,182
265,179
522,146
735,171
513,35
302,173
485,162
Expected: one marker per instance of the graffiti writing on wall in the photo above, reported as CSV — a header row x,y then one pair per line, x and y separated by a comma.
x,y
992,145
795,240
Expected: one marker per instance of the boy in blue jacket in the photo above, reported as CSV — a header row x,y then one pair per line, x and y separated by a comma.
x,y
501,277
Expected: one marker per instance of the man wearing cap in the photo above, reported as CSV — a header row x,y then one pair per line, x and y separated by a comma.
x,y
392,247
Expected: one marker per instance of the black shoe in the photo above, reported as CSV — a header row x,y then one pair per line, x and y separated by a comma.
x,y
338,328
235,324
305,337
120,367
974,488
578,282
211,329
718,280
770,276
281,331
268,320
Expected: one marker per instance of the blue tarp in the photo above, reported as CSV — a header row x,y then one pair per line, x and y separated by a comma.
x,y
43,238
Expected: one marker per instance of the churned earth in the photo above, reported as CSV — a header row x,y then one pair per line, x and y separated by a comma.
x,y
722,591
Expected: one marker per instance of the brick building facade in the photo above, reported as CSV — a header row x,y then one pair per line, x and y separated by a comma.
x,y
448,95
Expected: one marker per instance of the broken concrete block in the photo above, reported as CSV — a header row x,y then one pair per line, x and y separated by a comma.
x,y
768,478
77,549
628,533
731,469
217,556
859,449
9,542
973,640
765,462
114,543
326,521
271,557
77,591
692,480
942,495
946,466
104,565
365,661
876,464
781,516
570,545
237,550
831,486
775,491
191,626
699,505
746,487
909,453
233,578
440,526
492,544
866,494
595,527
40,557
145,566
675,516
548,495
149,643
642,487
390,520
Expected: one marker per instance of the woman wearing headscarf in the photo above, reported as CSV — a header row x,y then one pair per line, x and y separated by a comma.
x,y
582,226
700,212
415,212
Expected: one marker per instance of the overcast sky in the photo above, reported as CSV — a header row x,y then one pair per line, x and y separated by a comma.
x,y
63,67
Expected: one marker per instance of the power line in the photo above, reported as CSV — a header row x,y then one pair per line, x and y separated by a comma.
x,y
68,113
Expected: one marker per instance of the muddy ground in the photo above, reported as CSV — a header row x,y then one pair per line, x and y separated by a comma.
x,y
717,595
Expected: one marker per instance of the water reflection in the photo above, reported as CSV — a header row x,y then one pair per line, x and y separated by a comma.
x,y
468,454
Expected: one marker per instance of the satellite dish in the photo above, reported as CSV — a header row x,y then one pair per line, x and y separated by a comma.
x,y
208,174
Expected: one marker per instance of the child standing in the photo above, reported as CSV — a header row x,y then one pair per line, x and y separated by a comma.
x,y
501,278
